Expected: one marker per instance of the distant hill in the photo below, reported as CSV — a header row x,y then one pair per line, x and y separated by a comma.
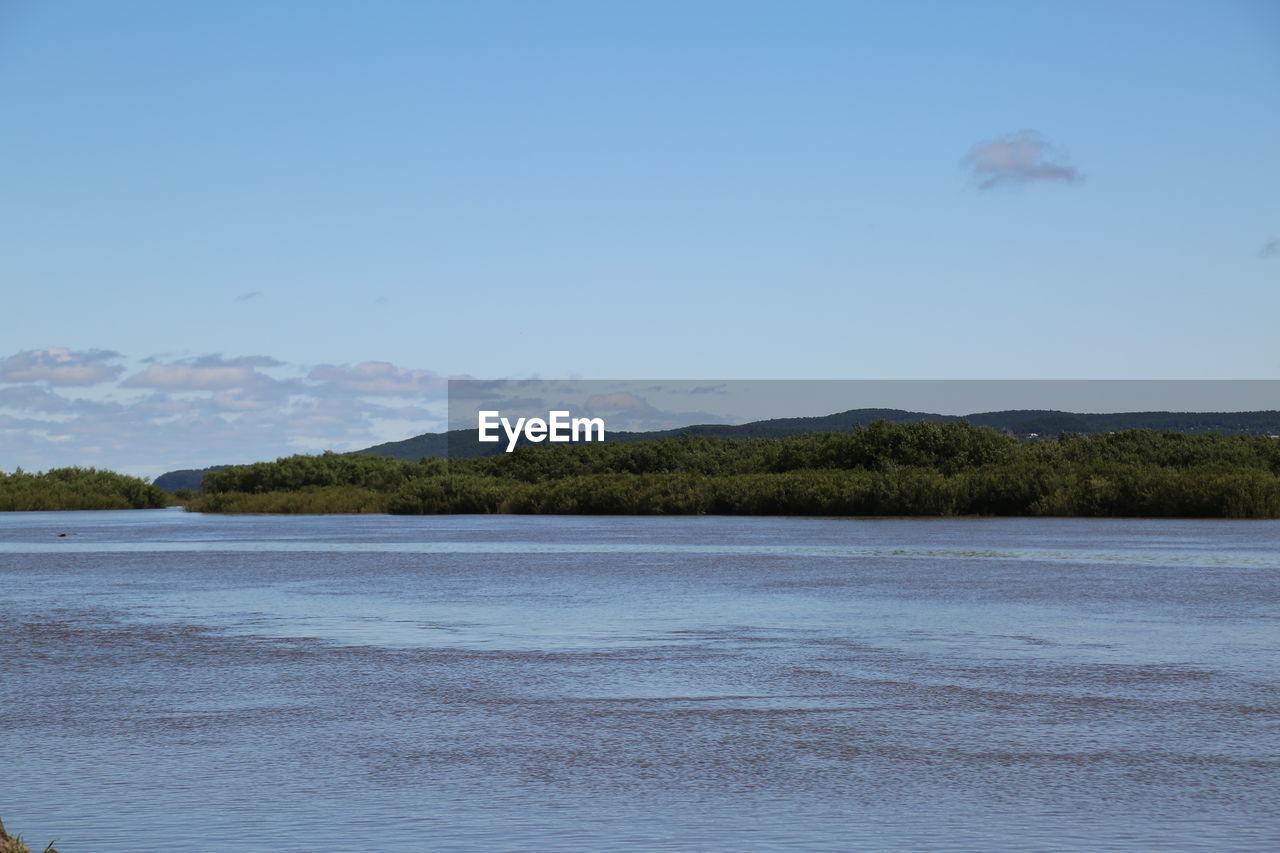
x,y
1021,422
418,447
187,478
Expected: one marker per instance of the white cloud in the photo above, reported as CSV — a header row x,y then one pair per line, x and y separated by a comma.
x,y
205,373
1018,158
186,377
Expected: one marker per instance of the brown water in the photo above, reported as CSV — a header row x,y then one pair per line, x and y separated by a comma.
x,y
193,683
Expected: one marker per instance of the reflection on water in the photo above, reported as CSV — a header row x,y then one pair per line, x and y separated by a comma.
x,y
181,682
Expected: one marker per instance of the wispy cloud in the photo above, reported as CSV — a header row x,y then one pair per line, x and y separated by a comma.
x,y
60,366
252,294
1018,158
614,403
1270,249
378,377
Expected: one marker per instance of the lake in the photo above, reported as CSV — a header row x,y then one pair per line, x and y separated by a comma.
x,y
174,681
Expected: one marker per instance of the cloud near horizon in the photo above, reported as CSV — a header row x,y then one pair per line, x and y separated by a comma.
x,y
614,403
1024,157
379,377
172,413
60,366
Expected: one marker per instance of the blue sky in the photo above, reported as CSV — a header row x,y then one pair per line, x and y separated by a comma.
x,y
208,208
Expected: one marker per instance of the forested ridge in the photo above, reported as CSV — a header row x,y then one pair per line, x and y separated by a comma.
x,y
462,443
883,468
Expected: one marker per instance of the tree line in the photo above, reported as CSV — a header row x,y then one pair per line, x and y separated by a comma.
x,y
880,469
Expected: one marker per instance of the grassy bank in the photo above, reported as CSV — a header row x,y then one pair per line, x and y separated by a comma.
x,y
883,469
10,844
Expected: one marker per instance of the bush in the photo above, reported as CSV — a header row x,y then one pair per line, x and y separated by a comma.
x,y
77,488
